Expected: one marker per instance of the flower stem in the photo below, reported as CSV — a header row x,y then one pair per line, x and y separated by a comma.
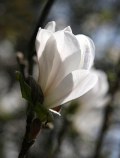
x,y
27,143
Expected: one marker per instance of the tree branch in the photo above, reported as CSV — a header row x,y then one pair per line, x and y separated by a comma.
x,y
40,23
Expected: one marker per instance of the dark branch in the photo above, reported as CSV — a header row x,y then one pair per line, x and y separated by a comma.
x,y
107,114
40,23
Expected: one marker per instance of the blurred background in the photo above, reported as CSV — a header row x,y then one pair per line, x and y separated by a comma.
x,y
90,126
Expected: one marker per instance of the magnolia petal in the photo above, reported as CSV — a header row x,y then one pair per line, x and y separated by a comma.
x,y
87,50
96,97
66,43
68,29
55,112
66,61
41,39
46,62
72,86
51,26
102,85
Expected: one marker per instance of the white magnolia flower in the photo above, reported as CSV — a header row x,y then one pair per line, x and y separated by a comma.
x,y
89,116
96,97
64,64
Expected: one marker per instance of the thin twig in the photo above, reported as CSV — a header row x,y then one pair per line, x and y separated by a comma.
x,y
107,114
26,144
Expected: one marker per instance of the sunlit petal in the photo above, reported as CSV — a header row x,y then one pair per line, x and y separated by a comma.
x,y
67,59
87,50
73,86
51,26
41,39
46,62
68,29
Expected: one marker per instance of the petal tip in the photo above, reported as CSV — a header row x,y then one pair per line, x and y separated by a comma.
x,y
51,26
68,28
